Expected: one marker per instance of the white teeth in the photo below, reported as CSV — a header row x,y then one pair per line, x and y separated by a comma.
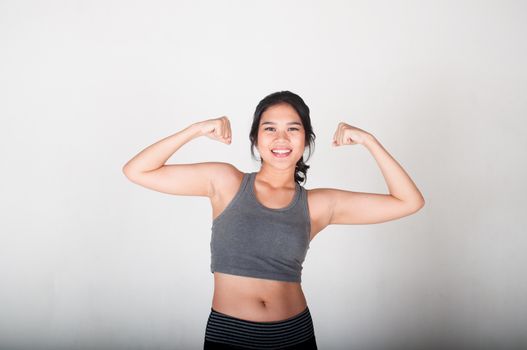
x,y
281,151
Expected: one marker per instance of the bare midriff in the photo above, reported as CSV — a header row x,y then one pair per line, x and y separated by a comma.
x,y
256,299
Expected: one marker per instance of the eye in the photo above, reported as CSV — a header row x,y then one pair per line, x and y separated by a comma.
x,y
269,127
296,129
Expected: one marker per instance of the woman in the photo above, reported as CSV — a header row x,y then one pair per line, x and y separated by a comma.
x,y
264,221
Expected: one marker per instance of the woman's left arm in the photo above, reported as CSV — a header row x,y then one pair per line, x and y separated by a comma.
x,y
359,207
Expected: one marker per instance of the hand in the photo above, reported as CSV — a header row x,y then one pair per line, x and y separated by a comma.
x,y
349,135
218,129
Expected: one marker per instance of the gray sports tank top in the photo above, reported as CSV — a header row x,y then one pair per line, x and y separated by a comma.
x,y
250,239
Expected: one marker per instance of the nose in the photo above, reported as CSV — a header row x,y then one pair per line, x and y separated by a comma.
x,y
282,134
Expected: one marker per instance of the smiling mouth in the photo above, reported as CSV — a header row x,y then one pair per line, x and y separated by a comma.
x,y
281,153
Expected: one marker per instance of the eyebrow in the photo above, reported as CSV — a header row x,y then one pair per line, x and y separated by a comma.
x,y
290,123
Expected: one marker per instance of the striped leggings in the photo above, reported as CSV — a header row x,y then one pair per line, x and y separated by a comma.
x,y
226,332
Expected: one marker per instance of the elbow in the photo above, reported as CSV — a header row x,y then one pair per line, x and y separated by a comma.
x,y
421,201
415,205
419,205
127,171
418,202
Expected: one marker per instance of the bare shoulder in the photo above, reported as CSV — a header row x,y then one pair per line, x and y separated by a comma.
x,y
227,178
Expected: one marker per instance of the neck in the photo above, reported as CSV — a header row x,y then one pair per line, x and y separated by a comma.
x,y
278,178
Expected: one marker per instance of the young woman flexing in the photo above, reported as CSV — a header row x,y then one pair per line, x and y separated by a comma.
x,y
263,222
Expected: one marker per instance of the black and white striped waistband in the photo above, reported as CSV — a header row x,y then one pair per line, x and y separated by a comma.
x,y
230,330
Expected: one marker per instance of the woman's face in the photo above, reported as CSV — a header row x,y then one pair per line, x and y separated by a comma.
x,y
281,136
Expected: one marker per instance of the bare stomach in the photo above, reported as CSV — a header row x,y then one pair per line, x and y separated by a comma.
x,y
257,299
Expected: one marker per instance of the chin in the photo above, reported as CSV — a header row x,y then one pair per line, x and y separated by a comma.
x,y
281,163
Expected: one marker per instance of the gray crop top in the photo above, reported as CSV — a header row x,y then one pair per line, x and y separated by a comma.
x,y
250,239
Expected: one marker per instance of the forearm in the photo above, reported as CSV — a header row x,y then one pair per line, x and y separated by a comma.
x,y
155,156
399,183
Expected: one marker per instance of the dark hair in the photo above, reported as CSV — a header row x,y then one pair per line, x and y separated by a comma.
x,y
302,109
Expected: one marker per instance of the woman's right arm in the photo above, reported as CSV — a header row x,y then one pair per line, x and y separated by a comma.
x,y
149,170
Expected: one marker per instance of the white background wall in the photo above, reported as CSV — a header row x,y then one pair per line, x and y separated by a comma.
x,y
89,260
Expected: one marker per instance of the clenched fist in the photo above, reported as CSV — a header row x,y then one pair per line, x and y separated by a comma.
x,y
218,129
349,135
